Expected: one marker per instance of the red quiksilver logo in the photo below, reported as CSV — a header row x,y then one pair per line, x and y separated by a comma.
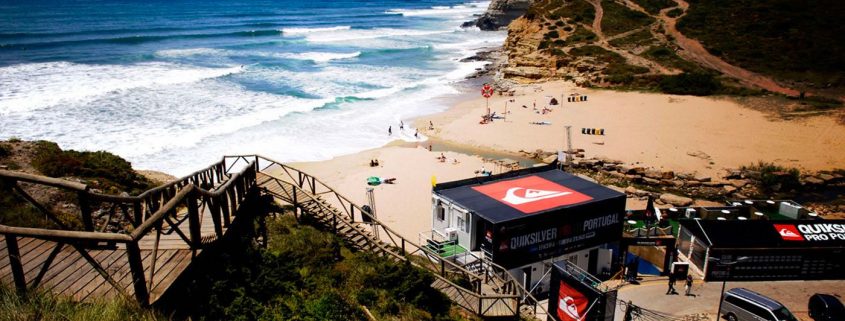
x,y
788,232
532,194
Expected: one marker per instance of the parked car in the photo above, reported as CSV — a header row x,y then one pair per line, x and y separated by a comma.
x,y
825,307
741,304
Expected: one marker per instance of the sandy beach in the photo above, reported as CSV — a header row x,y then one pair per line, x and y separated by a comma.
x,y
681,133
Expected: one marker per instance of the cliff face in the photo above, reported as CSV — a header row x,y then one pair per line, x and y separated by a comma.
x,y
501,12
524,61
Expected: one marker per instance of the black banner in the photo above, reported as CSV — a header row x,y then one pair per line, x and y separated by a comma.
x,y
514,245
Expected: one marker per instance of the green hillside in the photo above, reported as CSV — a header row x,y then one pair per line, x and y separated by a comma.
x,y
788,39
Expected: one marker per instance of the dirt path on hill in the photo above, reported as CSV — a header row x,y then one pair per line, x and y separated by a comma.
x,y
694,51
597,20
603,42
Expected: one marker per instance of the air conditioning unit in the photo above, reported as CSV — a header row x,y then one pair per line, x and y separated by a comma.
x,y
451,234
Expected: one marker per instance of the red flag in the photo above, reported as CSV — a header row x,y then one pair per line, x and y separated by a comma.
x,y
572,305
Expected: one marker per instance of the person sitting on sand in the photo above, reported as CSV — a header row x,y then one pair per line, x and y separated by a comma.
x,y
455,161
442,158
391,180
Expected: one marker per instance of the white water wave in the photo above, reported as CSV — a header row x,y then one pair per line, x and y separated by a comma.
x,y
299,31
30,87
464,10
321,56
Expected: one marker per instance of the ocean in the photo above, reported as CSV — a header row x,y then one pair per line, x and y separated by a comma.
x,y
175,85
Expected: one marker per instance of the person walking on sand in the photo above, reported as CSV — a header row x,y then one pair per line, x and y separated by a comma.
x,y
401,125
671,289
430,125
688,285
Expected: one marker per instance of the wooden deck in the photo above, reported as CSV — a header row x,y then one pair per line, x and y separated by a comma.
x,y
70,274
171,225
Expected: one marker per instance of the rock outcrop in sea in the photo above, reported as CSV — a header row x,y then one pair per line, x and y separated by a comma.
x,y
500,13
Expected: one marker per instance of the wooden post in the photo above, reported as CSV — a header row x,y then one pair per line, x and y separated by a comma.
x,y
334,222
139,213
137,269
15,263
403,247
86,211
442,267
193,220
215,216
479,305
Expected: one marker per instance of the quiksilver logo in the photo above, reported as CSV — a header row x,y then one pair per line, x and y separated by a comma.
x,y
530,195
787,233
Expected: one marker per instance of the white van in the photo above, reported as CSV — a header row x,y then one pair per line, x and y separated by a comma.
x,y
740,304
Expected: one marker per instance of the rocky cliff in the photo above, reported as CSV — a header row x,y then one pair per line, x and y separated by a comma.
x,y
500,13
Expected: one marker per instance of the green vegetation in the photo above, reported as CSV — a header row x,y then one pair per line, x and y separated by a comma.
x,y
105,170
674,13
17,212
639,38
47,307
654,6
788,39
618,19
698,84
307,274
5,150
574,11
667,57
775,178
617,70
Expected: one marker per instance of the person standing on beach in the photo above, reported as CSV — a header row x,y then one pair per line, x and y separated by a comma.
x,y
389,130
688,285
417,134
671,289
401,125
430,125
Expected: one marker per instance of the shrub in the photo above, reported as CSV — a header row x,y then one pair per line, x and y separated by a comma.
x,y
109,170
776,178
674,13
37,305
698,84
5,150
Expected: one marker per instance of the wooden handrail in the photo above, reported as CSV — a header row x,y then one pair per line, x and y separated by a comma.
x,y
44,180
64,235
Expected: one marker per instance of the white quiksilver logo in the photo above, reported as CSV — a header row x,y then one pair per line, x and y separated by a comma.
x,y
570,308
787,233
530,195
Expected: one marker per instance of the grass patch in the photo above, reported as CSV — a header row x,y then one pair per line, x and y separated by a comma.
x,y
791,40
617,71
575,11
308,274
654,6
638,38
667,57
674,13
775,178
698,84
106,171
618,19
44,306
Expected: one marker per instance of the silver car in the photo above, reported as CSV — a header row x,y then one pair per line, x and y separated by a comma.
x,y
742,304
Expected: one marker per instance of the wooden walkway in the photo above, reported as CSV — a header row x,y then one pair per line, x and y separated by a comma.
x,y
172,224
68,272
170,227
